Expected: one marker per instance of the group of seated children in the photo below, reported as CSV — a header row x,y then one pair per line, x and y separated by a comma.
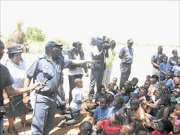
x,y
153,108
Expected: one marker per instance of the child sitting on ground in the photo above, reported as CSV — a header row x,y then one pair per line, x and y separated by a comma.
x,y
101,112
117,105
134,83
75,105
85,128
176,119
113,125
116,87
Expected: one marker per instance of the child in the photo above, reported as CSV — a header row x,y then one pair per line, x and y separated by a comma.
x,y
142,94
85,128
163,127
109,97
113,125
125,92
164,67
117,105
102,111
148,78
116,87
75,105
134,83
136,113
111,88
126,130
176,68
168,81
176,119
176,80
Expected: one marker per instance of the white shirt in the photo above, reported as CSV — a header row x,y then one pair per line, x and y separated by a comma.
x,y
18,73
77,70
76,95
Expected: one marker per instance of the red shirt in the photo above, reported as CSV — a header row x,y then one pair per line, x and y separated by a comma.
x,y
105,126
158,133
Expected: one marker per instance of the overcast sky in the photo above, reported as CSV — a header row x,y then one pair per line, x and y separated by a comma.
x,y
149,22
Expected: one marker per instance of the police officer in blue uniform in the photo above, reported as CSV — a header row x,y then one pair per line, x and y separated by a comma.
x,y
126,56
45,106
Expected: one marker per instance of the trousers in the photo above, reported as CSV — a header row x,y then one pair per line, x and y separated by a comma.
x,y
125,73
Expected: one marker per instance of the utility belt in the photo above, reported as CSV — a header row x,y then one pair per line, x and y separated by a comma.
x,y
46,93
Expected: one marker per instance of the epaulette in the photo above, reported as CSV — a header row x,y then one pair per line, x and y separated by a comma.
x,y
42,57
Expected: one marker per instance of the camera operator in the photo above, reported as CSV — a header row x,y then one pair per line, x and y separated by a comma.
x,y
99,52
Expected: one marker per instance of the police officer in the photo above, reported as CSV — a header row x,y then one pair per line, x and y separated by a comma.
x,y
126,56
45,106
6,82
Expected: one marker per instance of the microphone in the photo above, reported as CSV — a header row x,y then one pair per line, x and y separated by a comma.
x,y
49,77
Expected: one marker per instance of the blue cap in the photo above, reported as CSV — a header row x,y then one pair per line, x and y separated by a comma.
x,y
15,48
52,44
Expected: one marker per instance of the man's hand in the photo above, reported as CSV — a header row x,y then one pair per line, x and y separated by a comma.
x,y
38,86
26,100
6,102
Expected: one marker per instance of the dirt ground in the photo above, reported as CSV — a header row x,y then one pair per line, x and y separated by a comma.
x,y
70,130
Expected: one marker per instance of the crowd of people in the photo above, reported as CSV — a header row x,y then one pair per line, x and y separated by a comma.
x,y
117,109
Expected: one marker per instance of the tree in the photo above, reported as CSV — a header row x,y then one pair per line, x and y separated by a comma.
x,y
17,36
34,34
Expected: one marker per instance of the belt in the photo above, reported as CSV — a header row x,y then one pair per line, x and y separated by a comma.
x,y
46,93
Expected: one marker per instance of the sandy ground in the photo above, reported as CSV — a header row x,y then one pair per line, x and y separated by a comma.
x,y
140,68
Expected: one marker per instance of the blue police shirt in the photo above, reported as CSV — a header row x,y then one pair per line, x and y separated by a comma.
x,y
40,69
164,67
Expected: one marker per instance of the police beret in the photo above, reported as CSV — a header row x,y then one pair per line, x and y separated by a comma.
x,y
15,48
52,44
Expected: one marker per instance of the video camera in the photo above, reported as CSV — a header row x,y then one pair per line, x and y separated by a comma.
x,y
103,43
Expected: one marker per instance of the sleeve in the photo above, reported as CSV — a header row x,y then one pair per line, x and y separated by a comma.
x,y
109,130
121,53
67,63
95,113
33,68
153,58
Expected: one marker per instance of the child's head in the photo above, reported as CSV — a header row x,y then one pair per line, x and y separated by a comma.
x,y
169,74
126,129
134,81
114,80
152,80
102,89
78,82
165,100
146,84
177,110
157,94
118,118
140,130
103,103
165,89
109,97
175,53
135,103
160,84
164,126
134,96
111,86
165,59
118,101
126,90
85,128
142,92
148,77
156,78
